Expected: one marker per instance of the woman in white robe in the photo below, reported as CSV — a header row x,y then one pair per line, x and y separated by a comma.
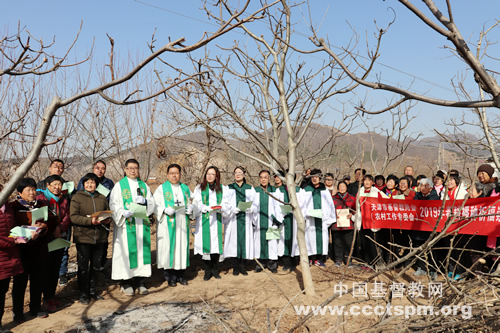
x,y
211,202
239,225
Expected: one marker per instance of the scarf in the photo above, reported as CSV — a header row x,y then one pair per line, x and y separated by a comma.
x,y
29,205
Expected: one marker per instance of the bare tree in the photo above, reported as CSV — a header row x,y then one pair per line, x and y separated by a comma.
x,y
20,58
275,105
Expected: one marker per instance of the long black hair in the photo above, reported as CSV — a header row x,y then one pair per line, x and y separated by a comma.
x,y
216,185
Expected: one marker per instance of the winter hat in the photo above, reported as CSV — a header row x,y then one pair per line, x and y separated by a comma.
x,y
486,168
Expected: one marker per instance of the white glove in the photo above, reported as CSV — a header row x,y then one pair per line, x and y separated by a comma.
x,y
140,200
252,210
189,209
274,226
236,210
127,213
206,209
169,211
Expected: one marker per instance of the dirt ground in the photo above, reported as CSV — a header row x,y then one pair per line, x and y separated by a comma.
x,y
232,303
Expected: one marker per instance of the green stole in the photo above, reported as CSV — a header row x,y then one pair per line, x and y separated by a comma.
x,y
288,222
169,202
205,221
130,224
264,219
240,219
318,223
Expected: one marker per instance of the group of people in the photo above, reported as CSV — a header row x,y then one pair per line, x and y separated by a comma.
x,y
238,221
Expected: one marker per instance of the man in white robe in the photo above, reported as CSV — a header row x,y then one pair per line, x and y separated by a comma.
x,y
316,198
266,250
173,207
131,234
288,248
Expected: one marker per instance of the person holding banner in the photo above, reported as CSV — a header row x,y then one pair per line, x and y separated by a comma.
x,y
132,203
371,251
173,207
58,223
419,237
238,238
211,201
266,233
319,213
90,234
33,253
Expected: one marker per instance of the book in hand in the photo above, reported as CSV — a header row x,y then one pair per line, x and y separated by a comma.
x,y
102,215
23,232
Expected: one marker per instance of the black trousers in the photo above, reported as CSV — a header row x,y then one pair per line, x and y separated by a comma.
x,y
51,277
4,287
34,270
371,250
342,241
89,263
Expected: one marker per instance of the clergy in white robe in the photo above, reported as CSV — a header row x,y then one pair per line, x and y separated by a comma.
x,y
211,202
131,233
268,217
287,245
173,207
316,198
239,225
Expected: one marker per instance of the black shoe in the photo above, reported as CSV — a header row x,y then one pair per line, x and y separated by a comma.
x,y
39,314
236,271
274,271
63,280
183,282
215,274
243,271
258,269
207,276
84,299
172,284
96,297
292,268
19,319
286,268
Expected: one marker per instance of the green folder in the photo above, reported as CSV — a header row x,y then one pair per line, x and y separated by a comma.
x,y
272,234
316,213
285,209
41,213
68,186
103,190
24,232
244,205
140,211
58,243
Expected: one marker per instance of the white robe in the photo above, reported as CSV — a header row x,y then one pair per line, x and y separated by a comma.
x,y
121,265
272,244
294,251
214,227
231,227
163,246
329,217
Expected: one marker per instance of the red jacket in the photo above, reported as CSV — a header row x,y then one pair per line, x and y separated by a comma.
x,y
58,214
10,260
349,201
34,248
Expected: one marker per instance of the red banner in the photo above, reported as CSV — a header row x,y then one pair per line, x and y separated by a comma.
x,y
477,216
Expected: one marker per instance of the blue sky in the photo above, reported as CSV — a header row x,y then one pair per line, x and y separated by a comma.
x,y
409,46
